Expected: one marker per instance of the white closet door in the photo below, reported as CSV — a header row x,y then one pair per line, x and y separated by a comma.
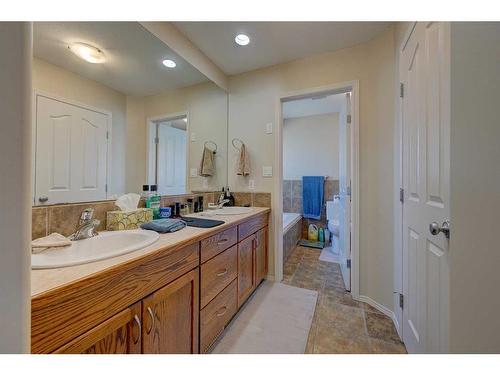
x,y
71,153
171,154
424,69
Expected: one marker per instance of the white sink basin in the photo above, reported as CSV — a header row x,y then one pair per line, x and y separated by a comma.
x,y
105,245
233,210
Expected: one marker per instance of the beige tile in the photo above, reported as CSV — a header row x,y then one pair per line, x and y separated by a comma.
x,y
39,222
384,347
242,199
334,344
297,189
381,327
297,205
261,199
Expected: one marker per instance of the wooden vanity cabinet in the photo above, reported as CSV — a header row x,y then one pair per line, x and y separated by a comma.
x,y
120,334
170,317
261,255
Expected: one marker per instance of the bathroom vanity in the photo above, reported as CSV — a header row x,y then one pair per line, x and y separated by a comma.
x,y
174,296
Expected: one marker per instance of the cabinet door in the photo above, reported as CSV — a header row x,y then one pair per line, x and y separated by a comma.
x,y
260,255
120,334
246,269
170,317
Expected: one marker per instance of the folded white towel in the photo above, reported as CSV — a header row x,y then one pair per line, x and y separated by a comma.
x,y
54,240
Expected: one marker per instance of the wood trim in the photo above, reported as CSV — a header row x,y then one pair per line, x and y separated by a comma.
x,y
63,314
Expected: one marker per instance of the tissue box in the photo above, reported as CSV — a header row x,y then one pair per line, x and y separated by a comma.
x,y
122,220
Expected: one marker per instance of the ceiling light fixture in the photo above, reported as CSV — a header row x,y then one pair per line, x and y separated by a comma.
x,y
87,52
242,39
169,63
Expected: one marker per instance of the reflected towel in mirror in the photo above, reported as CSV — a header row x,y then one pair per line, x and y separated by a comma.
x,y
207,165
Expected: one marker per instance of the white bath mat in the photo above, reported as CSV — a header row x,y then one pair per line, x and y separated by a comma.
x,y
327,255
275,320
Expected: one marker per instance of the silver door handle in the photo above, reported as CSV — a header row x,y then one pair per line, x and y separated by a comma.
x,y
43,199
435,228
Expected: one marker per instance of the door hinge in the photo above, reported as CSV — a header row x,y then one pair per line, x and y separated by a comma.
x,y
402,195
349,119
348,263
157,140
401,301
106,188
401,90
107,134
348,191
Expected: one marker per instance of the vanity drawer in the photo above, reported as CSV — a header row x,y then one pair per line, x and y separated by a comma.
x,y
219,242
215,316
251,226
217,273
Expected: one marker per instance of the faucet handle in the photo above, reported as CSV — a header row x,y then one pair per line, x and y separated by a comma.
x,y
86,215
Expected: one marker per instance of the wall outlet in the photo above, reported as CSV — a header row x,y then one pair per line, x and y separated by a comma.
x,y
267,171
194,172
269,128
193,137
251,184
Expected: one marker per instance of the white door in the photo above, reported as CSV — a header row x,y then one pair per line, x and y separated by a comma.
x,y
171,160
71,153
344,190
424,67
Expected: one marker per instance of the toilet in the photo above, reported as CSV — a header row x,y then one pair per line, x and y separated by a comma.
x,y
333,217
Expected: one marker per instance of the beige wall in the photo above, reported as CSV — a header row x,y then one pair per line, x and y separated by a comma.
x,y
311,146
207,107
52,80
15,186
475,181
252,104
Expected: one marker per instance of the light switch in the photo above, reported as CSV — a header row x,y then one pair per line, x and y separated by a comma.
x,y
267,171
251,184
269,128
194,172
193,137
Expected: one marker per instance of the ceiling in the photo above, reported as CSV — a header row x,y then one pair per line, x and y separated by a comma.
x,y
133,56
320,105
274,42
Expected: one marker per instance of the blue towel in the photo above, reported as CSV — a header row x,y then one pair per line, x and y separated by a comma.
x,y
164,225
312,196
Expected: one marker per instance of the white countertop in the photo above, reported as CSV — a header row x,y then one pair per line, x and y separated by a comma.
x,y
46,279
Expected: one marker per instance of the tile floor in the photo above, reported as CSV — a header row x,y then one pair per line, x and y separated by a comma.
x,y
340,324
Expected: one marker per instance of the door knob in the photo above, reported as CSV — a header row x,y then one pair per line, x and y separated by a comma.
x,y
435,228
43,199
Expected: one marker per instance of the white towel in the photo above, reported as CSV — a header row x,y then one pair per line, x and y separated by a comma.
x,y
54,240
243,162
207,165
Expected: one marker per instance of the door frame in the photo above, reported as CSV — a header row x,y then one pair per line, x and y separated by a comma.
x,y
335,88
151,121
109,143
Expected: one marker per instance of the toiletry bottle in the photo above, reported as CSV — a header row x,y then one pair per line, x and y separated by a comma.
x,y
155,200
190,205
222,195
200,203
145,192
230,197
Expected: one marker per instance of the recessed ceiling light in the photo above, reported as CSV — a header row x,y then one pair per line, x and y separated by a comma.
x,y
169,63
87,52
242,39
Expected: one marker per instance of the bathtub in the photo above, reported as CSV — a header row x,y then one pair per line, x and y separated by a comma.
x,y
292,232
289,219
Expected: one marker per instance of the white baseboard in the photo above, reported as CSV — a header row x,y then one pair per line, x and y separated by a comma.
x,y
383,309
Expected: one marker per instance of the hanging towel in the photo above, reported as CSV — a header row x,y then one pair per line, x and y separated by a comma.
x,y
164,225
312,196
207,165
54,240
244,162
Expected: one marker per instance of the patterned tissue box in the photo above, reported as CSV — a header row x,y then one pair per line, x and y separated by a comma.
x,y
120,220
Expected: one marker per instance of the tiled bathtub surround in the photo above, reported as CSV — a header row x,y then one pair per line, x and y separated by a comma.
x,y
64,218
290,239
292,200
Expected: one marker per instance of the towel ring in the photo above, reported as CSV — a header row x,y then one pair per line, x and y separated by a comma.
x,y
238,140
213,143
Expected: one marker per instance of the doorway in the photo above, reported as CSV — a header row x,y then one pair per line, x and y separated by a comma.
x,y
349,258
167,150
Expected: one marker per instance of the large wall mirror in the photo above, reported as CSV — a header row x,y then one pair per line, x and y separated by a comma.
x,y
114,109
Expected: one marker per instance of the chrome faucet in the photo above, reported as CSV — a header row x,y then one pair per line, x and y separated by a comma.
x,y
86,227
222,202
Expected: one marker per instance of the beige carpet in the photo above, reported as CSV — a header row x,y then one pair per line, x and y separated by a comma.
x,y
275,320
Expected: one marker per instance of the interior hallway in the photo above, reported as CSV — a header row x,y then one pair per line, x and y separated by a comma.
x,y
340,324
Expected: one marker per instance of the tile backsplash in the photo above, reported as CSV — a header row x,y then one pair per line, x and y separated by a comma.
x,y
64,218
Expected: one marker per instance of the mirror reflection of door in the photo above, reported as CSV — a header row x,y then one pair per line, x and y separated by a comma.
x,y
171,155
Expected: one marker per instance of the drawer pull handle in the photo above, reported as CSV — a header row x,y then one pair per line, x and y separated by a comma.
x,y
222,241
222,311
222,273
152,315
136,319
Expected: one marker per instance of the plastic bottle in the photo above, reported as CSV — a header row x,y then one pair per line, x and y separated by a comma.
x,y
230,197
154,201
